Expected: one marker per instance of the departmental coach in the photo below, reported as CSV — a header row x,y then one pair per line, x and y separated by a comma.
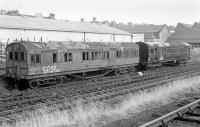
x,y
42,63
154,54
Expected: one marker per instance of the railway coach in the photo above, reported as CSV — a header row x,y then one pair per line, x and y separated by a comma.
x,y
40,63
153,54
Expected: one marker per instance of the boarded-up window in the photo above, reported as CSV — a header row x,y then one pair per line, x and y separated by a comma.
x,y
38,58
172,50
134,53
54,58
11,55
183,49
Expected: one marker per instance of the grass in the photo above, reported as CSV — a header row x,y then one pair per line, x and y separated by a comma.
x,y
97,114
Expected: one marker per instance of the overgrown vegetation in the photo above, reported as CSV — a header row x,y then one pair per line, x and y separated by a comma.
x,y
99,114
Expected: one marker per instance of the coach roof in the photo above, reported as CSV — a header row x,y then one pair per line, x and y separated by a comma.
x,y
31,46
42,24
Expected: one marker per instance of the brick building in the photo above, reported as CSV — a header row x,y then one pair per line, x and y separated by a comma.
x,y
152,33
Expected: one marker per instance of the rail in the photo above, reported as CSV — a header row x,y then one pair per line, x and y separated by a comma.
x,y
172,115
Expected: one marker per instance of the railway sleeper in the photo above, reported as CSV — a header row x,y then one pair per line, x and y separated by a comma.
x,y
193,114
189,119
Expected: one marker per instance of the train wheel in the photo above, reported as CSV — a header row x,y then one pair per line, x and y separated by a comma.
x,y
16,85
33,84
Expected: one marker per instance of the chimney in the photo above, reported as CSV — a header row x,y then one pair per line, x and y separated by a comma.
x,y
82,20
94,20
51,16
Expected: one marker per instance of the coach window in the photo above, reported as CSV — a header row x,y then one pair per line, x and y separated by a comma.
x,y
83,55
108,55
65,57
103,55
16,55
11,55
87,55
152,51
38,58
118,53
96,55
126,53
69,57
54,58
92,55
21,56
32,58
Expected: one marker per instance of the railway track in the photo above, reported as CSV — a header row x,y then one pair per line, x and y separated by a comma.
x,y
99,91
188,113
96,89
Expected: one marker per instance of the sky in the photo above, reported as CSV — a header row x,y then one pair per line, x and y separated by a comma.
x,y
168,12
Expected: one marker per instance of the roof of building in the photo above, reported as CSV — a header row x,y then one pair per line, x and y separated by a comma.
x,y
151,35
184,25
186,33
30,23
142,28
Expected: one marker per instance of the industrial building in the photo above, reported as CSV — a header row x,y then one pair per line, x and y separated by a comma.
x,y
152,33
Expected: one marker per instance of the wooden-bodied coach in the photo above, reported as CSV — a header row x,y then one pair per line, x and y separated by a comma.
x,y
40,63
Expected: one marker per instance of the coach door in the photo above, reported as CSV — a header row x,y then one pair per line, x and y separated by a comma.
x,y
159,53
19,64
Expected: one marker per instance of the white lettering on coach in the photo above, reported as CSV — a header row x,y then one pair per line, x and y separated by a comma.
x,y
49,69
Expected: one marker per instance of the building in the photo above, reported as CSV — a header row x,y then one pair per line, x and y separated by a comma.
x,y
20,27
187,33
152,33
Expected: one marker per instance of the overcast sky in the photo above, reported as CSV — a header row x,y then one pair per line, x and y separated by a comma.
x,y
137,11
